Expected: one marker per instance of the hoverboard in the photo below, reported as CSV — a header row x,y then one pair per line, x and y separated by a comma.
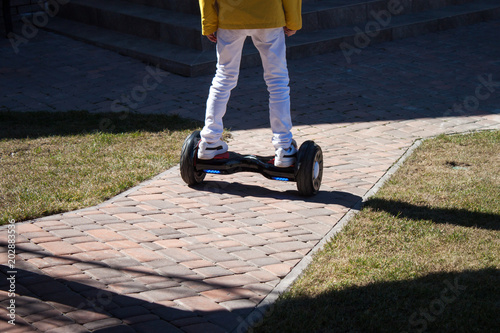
x,y
307,171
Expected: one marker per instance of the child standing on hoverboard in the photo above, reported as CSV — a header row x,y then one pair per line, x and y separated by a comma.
x,y
228,23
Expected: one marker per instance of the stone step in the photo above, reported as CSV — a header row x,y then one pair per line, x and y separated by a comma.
x,y
163,25
352,39
328,14
182,6
178,22
199,57
170,57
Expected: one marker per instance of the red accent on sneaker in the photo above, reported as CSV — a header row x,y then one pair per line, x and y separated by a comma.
x,y
223,156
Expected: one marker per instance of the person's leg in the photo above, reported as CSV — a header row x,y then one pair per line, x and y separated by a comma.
x,y
272,49
229,48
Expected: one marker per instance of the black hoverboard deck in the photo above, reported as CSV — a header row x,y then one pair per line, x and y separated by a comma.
x,y
307,171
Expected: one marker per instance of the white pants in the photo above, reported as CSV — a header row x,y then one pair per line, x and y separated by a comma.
x,y
271,45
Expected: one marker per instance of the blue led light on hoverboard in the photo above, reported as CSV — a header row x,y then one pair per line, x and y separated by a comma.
x,y
283,179
212,171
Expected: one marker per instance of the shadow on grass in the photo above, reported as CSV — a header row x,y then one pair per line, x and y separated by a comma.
x,y
461,217
18,125
442,302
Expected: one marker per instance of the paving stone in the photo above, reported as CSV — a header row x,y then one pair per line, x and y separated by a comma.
x,y
104,273
45,239
122,244
103,219
61,271
155,326
92,246
203,327
142,255
197,264
179,255
213,254
46,287
226,244
262,275
236,280
24,228
199,303
75,328
50,261
188,321
105,235
239,306
26,306
178,271
47,324
280,270
282,256
226,231
249,240
140,319
249,254
259,262
226,319
59,248
105,323
128,287
139,235
214,271
155,264
96,256
66,233
82,316
288,246
120,210
228,294
168,294
80,239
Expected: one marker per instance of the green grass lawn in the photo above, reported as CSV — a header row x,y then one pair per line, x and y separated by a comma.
x,y
423,255
58,162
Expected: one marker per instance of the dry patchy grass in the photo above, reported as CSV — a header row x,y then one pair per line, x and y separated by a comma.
x,y
422,255
57,162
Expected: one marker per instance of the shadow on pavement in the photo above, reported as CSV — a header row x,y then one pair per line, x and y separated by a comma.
x,y
245,190
49,302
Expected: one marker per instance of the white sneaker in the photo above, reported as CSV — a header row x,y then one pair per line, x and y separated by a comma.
x,y
285,158
207,151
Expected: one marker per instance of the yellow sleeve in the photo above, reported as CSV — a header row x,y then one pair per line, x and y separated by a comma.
x,y
209,17
293,14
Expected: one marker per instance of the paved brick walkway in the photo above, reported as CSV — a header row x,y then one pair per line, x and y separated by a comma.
x,y
167,258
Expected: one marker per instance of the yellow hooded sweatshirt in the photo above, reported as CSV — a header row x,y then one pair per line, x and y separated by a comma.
x,y
250,14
